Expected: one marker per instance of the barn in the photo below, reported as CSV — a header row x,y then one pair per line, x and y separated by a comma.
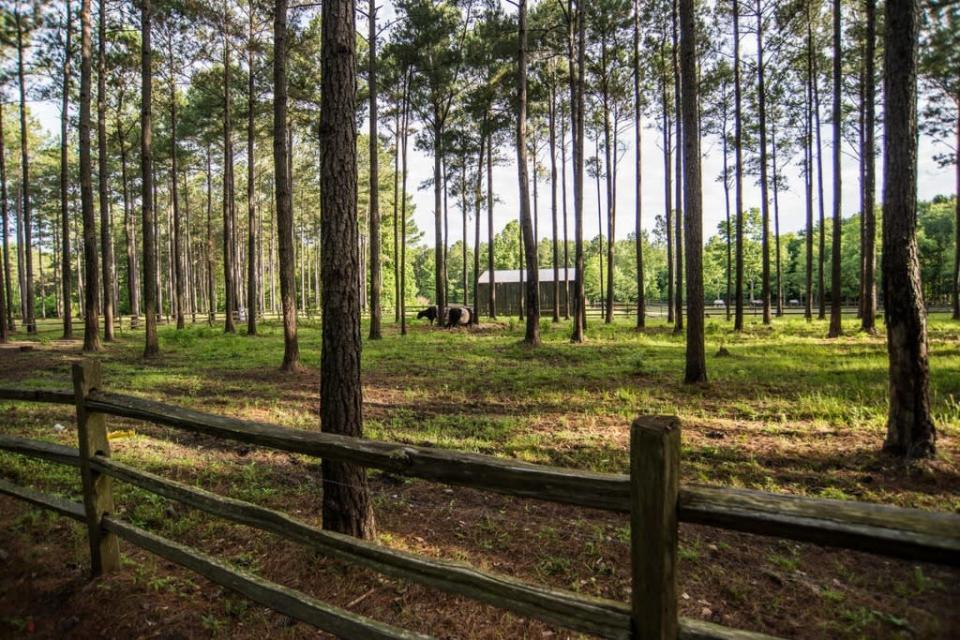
x,y
508,288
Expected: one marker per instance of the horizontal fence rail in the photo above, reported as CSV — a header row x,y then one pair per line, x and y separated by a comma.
x,y
886,530
597,616
910,534
279,598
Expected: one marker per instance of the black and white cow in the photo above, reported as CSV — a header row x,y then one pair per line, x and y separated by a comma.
x,y
456,316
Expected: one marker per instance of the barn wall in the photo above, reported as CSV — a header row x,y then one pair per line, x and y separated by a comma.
x,y
509,294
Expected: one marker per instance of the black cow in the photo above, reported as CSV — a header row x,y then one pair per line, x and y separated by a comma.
x,y
429,313
456,316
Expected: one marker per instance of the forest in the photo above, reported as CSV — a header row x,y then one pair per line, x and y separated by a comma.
x,y
738,219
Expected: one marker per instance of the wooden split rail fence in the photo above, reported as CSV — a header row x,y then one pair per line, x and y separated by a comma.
x,y
650,494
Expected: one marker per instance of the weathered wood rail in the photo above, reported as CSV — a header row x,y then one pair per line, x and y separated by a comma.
x,y
650,494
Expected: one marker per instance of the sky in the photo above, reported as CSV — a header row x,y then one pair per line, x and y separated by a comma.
x,y
932,181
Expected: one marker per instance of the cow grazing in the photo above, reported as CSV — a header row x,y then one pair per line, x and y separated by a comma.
x,y
430,313
456,316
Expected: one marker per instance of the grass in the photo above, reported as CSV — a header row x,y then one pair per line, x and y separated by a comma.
x,y
786,411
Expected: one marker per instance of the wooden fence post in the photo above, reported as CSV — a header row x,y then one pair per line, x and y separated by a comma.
x,y
97,488
654,479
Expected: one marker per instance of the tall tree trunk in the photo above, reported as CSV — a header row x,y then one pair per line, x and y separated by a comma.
x,y
696,362
821,257
150,289
956,241
91,337
726,200
282,182
532,335
4,211
103,175
910,428
577,89
611,206
396,219
440,248
375,240
492,297
252,305
552,123
638,165
808,168
667,128
229,249
563,200
868,319
346,501
835,283
764,181
176,257
738,165
211,282
66,277
21,258
28,317
129,226
404,128
776,219
477,203
679,158
463,210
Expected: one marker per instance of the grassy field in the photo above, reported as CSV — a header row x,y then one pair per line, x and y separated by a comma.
x,y
786,410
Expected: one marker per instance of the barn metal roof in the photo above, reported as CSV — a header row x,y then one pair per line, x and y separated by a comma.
x,y
506,276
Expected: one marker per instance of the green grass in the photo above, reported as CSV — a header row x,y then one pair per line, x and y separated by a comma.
x,y
817,405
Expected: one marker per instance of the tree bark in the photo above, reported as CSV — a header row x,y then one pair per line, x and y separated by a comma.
x,y
103,175
808,169
552,115
91,317
868,318
956,241
611,206
835,274
211,282
532,335
492,298
375,266
776,220
252,305
28,315
680,180
563,200
4,210
282,182
726,200
910,429
577,89
346,500
477,203
150,292
229,273
66,277
821,257
696,362
738,165
396,219
440,247
667,127
764,183
637,127
404,127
